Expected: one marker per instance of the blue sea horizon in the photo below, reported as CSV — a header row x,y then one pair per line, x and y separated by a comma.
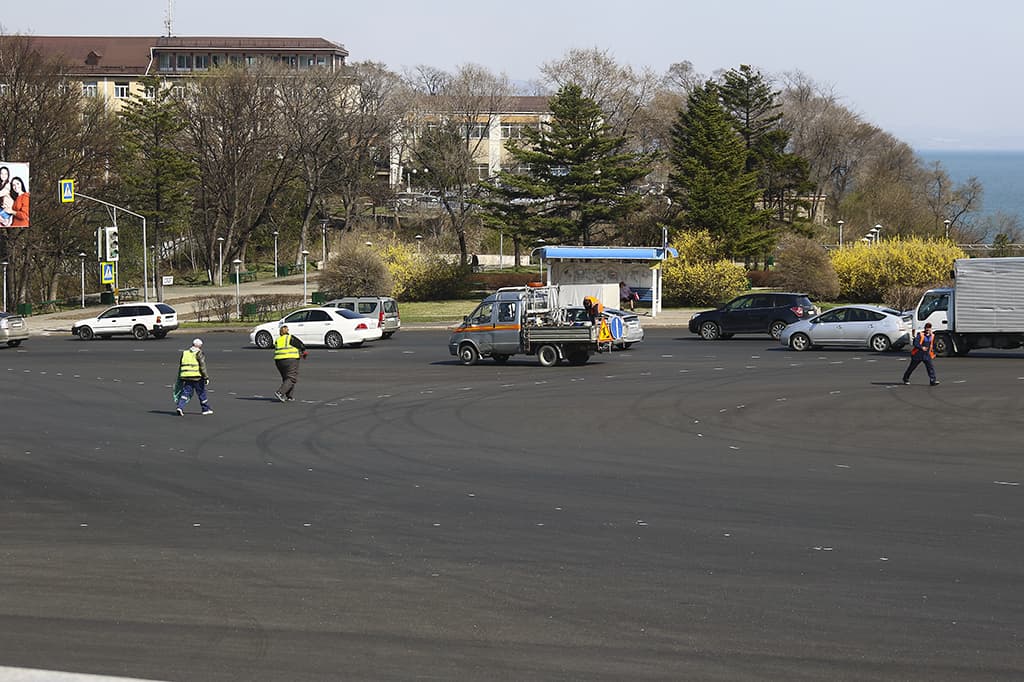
x,y
1001,173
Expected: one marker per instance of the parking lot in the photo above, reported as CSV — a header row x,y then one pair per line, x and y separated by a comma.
x,y
726,510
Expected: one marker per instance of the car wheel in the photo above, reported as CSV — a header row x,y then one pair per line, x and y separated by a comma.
x,y
880,343
500,358
15,343
547,355
776,329
709,331
468,354
139,332
333,340
264,340
85,333
800,342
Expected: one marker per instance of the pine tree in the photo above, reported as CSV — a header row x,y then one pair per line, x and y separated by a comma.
x,y
156,172
710,181
578,177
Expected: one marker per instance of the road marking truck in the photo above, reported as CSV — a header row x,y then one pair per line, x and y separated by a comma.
x,y
530,321
983,309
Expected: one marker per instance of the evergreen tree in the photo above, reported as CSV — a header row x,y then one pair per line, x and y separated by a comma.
x,y
578,177
156,172
711,182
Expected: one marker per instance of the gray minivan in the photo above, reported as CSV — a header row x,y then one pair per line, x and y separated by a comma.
x,y
384,308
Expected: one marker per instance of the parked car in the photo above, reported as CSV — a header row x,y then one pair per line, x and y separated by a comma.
x,y
858,326
140,320
13,329
757,313
632,331
322,326
384,308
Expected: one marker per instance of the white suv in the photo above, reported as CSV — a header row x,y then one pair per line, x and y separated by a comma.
x,y
138,319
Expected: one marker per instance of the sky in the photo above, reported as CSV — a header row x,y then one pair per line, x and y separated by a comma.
x,y
937,75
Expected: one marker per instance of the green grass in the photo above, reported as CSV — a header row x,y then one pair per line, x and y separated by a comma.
x,y
436,311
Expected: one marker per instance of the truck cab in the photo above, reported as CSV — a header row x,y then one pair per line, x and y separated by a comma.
x,y
491,330
935,307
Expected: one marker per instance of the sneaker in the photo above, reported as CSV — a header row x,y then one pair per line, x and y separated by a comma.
x,y
181,412
279,396
906,383
934,383
207,411
291,399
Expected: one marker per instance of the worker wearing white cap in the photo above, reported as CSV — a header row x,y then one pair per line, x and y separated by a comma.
x,y
192,378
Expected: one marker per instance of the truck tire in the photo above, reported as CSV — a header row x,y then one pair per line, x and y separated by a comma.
x,y
468,354
943,345
578,357
547,355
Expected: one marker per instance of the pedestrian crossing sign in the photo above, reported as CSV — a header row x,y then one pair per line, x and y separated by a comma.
x,y
67,191
106,273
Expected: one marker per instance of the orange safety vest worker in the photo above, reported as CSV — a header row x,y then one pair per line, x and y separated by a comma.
x,y
923,342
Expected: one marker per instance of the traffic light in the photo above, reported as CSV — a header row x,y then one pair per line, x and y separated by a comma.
x,y
112,249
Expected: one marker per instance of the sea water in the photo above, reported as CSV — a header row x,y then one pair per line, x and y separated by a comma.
x,y
1001,174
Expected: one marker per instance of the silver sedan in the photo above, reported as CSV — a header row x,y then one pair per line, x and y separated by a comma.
x,y
858,326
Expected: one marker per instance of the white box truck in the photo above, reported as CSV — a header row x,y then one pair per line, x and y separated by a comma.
x,y
983,309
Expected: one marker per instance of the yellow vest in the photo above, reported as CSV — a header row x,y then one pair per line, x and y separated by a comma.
x,y
189,367
283,348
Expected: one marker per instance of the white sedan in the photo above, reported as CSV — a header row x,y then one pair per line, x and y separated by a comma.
x,y
331,327
857,326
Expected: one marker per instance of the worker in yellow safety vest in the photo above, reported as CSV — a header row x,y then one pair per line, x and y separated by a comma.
x,y
288,350
192,378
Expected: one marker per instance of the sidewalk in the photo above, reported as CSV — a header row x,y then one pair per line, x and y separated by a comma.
x,y
183,299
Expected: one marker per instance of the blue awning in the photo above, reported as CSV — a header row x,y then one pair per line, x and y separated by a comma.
x,y
604,253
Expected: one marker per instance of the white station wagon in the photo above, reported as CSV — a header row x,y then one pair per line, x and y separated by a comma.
x,y
140,320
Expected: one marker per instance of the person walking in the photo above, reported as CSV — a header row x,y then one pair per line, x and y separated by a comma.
x,y
923,351
288,350
193,377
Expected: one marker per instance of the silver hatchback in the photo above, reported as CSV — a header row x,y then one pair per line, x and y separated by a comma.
x,y
857,326
13,329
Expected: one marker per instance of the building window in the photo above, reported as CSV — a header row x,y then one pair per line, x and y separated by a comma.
x,y
251,60
483,171
177,91
150,92
202,62
184,62
477,131
514,131
215,60
321,60
90,89
121,90
165,62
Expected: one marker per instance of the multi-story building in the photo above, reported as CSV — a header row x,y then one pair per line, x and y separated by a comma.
x,y
112,67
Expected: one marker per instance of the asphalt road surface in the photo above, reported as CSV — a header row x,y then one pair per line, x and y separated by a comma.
x,y
684,510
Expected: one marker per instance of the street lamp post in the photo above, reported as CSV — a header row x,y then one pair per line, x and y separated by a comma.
x,y
305,255
323,244
220,267
946,223
81,260
275,253
419,244
501,249
238,294
152,248
877,233
840,224
5,264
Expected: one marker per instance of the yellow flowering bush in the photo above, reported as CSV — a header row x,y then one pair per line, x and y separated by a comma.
x,y
699,276
867,271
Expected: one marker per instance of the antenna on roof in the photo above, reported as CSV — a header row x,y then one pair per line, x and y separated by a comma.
x,y
168,17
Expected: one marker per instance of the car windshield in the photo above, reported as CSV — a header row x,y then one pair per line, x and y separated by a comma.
x,y
347,314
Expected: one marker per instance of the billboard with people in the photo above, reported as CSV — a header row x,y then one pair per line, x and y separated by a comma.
x,y
14,194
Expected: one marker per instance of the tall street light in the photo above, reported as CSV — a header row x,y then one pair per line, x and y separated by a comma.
x,y
275,253
5,264
878,232
220,268
946,223
419,243
323,244
238,294
305,255
81,259
840,224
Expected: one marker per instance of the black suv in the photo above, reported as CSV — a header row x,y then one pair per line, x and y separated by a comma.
x,y
753,314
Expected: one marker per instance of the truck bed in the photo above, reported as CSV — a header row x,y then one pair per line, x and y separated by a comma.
x,y
566,334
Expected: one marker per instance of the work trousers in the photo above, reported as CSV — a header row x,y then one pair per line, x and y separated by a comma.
x,y
915,360
289,371
188,386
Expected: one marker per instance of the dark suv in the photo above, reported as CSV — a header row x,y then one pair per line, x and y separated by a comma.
x,y
759,313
